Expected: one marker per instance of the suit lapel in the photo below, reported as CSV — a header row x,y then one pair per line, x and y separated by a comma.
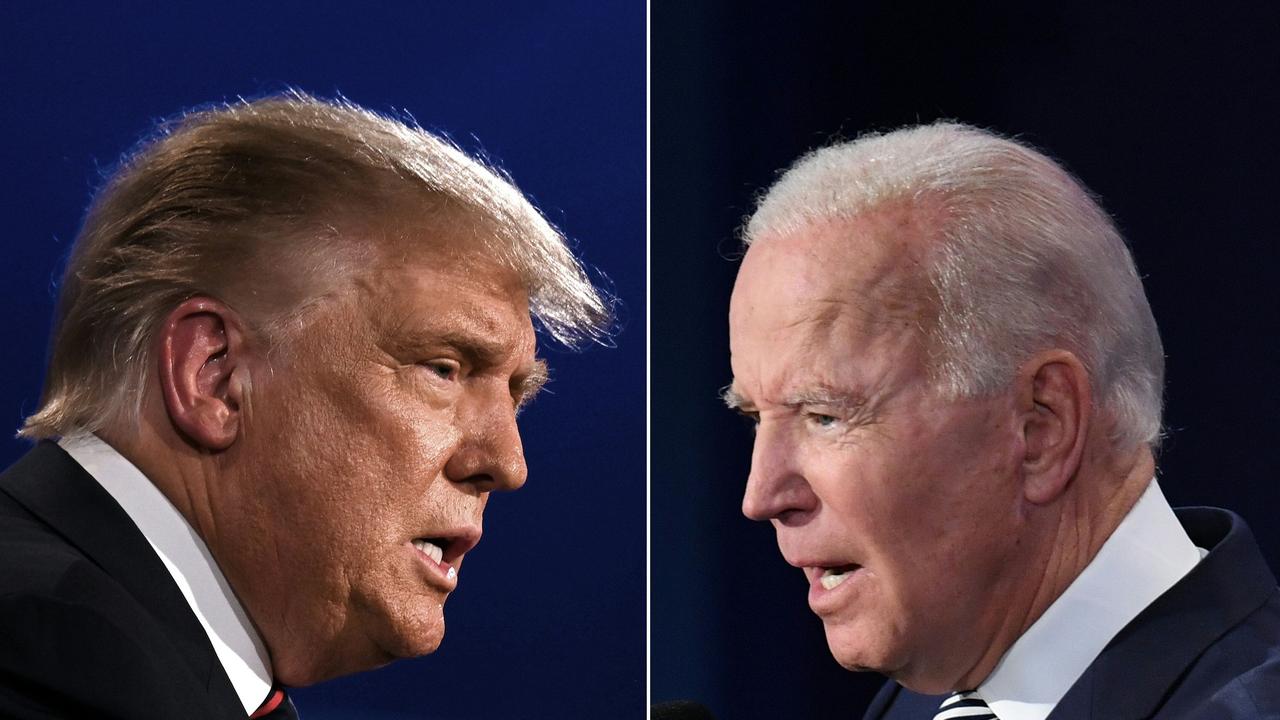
x,y
1140,666
1134,674
53,487
895,702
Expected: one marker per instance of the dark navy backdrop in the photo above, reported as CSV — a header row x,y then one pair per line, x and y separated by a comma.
x,y
549,621
1169,116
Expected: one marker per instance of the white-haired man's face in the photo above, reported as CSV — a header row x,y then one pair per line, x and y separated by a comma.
x,y
900,506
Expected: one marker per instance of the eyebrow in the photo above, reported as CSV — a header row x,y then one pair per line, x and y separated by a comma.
x,y
828,396
532,383
478,349
820,395
481,350
732,398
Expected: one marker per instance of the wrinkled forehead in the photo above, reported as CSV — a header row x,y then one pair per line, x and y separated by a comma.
x,y
293,267
450,281
411,278
839,304
867,272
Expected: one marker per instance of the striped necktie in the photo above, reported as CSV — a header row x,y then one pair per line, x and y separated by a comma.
x,y
964,706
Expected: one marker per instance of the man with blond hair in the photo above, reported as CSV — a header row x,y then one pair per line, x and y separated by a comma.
x,y
291,343
956,381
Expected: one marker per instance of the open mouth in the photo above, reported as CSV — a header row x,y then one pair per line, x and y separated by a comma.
x,y
833,576
435,548
432,547
443,553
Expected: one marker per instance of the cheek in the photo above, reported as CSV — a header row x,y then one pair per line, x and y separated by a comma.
x,y
407,450
387,427
962,512
342,458
427,435
933,502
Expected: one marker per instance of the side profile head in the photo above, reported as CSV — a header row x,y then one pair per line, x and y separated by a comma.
x,y
951,361
311,326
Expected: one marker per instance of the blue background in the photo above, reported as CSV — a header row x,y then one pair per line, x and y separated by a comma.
x,y
549,621
1168,114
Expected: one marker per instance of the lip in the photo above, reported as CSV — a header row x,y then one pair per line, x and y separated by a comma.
x,y
823,601
444,574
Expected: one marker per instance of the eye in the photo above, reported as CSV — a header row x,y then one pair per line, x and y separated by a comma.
x,y
443,369
752,418
821,420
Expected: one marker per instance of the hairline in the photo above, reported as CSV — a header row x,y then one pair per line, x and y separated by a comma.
x,y
398,153
1126,370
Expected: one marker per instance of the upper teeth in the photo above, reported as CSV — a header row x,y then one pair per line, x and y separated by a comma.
x,y
832,578
435,552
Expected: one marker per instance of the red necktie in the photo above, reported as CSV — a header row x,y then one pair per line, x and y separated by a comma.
x,y
276,707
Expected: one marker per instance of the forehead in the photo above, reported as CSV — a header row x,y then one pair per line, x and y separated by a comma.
x,y
437,279
833,290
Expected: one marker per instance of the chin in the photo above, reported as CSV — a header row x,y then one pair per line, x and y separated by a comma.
x,y
367,636
855,661
867,652
859,649
411,645
414,632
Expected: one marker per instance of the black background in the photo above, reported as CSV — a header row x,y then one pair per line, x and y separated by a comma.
x,y
1169,115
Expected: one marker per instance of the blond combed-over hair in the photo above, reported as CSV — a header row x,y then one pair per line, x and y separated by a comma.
x,y
222,200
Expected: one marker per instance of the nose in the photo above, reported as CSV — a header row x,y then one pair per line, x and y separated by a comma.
x,y
489,453
776,487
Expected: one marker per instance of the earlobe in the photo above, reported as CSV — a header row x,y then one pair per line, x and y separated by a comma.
x,y
1056,401
200,352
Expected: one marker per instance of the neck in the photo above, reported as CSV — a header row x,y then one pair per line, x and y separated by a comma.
x,y
1062,538
211,492
185,475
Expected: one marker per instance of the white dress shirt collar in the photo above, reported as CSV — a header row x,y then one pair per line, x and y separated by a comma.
x,y
234,639
1146,555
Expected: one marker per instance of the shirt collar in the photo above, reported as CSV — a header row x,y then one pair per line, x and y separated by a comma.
x,y
1147,554
235,641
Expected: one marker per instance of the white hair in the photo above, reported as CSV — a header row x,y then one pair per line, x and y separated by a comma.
x,y
1024,260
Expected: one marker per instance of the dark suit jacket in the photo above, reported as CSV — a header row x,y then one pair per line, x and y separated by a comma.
x,y
1208,648
91,623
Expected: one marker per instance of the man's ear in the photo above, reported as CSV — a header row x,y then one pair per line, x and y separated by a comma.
x,y
202,357
1056,405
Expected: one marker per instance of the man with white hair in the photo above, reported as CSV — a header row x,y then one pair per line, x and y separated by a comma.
x,y
956,382
292,340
